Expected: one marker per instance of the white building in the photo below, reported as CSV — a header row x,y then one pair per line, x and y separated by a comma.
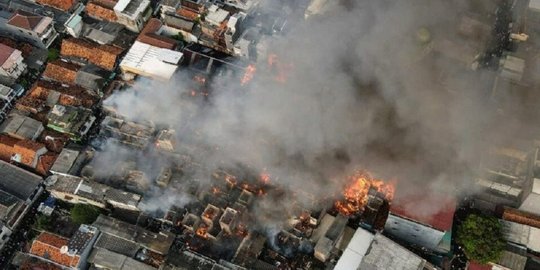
x,y
11,62
36,29
150,61
133,14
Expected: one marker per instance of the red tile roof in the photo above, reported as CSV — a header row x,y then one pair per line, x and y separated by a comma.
x,y
6,146
61,71
477,266
28,150
148,35
48,245
5,52
104,56
410,207
101,12
64,5
25,20
187,14
521,217
69,95
45,163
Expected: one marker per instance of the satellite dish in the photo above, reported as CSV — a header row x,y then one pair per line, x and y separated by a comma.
x,y
64,249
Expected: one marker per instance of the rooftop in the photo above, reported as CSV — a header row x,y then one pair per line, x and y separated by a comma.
x,y
17,182
441,220
25,20
113,260
65,161
21,127
150,35
50,246
153,241
61,71
384,254
148,60
5,53
355,251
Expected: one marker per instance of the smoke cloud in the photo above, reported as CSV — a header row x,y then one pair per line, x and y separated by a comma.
x,y
361,92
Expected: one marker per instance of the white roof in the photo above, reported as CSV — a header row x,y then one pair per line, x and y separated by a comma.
x,y
534,239
355,251
216,16
121,5
148,60
534,4
536,186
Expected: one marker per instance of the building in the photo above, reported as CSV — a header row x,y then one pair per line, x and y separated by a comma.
x,y
166,140
331,234
76,190
105,56
28,152
21,127
506,179
316,7
133,13
147,60
104,259
69,162
19,189
66,95
7,94
127,132
69,253
35,29
521,236
61,71
64,5
431,230
126,239
151,35
72,121
11,63
102,10
89,76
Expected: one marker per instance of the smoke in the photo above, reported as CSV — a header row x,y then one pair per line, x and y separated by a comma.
x,y
361,92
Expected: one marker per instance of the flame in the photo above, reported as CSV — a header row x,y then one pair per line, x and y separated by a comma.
x,y
282,69
215,190
202,231
265,177
248,75
355,194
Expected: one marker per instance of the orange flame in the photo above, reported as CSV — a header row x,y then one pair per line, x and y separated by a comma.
x,y
202,231
248,75
355,195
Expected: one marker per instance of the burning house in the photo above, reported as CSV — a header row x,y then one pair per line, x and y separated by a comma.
x,y
326,244
127,132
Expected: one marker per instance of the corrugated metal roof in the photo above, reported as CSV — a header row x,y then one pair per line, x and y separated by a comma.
x,y
355,251
147,60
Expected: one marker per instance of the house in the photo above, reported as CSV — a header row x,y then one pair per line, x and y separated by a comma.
x,y
330,234
69,162
61,71
7,94
102,10
76,190
531,203
377,252
126,239
18,189
104,259
11,63
67,95
35,29
127,132
150,35
72,121
430,229
93,78
133,13
70,253
166,140
104,56
151,61
28,152
521,236
63,5
21,127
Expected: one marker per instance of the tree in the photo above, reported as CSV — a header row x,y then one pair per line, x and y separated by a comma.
x,y
52,54
43,223
481,238
84,213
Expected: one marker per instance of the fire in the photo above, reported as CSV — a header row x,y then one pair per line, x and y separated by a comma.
x,y
282,69
265,177
248,75
201,231
355,194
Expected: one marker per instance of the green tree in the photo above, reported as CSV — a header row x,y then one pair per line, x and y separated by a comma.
x,y
481,238
52,54
84,213
43,223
